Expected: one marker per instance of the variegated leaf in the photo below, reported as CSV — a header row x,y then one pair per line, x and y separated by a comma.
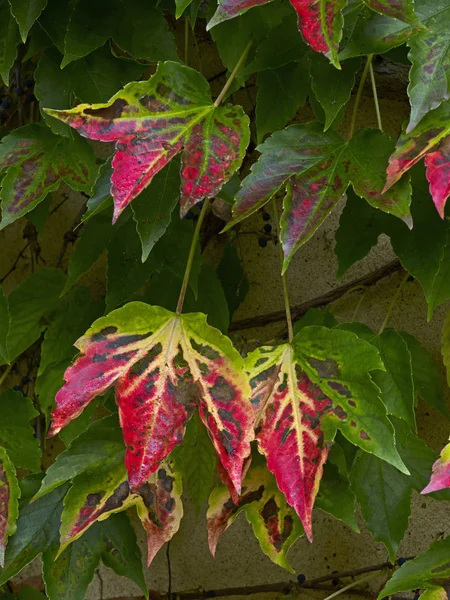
x,y
403,10
96,495
9,502
304,392
275,524
429,140
440,478
320,22
36,163
163,365
152,121
316,167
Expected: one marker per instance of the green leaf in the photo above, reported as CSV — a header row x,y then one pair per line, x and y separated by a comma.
x,y
37,530
426,375
211,299
152,209
426,571
384,496
332,87
430,71
287,87
9,502
39,215
30,305
93,23
315,316
396,382
113,541
9,34
336,498
54,21
233,278
100,445
196,460
16,433
5,320
26,12
101,198
127,274
93,241
36,163
94,78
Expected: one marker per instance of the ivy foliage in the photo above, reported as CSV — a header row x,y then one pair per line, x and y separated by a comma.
x,y
109,104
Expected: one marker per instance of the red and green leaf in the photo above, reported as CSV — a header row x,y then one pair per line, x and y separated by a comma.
x,y
36,162
96,495
163,366
9,502
429,140
275,524
152,121
320,22
316,167
440,478
403,10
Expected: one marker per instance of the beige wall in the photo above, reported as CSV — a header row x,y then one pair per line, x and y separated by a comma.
x,y
239,560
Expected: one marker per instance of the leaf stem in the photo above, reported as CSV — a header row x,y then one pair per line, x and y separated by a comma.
x,y
375,96
351,585
5,374
359,95
393,302
190,260
232,77
287,305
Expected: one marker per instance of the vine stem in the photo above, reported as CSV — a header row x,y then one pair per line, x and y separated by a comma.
x,y
375,96
393,302
351,585
359,95
232,77
190,261
287,305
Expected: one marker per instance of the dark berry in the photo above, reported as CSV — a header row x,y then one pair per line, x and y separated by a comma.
x,y
17,388
266,216
401,561
211,594
19,91
28,83
25,380
190,215
262,242
6,104
334,582
301,578
284,336
30,98
268,228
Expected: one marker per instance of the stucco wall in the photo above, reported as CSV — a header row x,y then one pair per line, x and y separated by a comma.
x,y
239,561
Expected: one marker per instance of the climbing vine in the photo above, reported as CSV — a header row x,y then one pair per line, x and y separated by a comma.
x,y
111,105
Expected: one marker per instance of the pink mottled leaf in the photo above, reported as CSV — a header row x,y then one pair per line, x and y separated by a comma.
x,y
429,140
316,167
9,506
163,366
275,524
403,10
36,162
99,493
320,22
305,391
440,479
152,121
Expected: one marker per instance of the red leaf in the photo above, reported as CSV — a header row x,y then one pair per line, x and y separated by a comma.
x,y
397,9
428,140
163,366
440,479
152,121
